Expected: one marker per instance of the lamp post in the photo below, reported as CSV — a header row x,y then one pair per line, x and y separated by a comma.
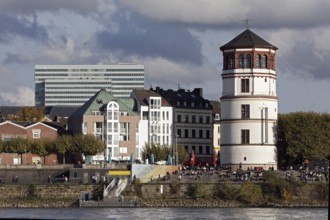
x,y
176,150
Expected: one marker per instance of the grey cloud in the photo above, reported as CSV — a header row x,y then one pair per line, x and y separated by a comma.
x,y
137,36
228,13
17,58
33,6
10,26
303,62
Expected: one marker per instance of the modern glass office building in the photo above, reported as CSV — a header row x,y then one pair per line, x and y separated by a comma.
x,y
75,84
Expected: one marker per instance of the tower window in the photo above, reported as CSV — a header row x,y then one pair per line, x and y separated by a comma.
x,y
245,85
264,61
231,62
245,136
248,61
241,61
245,111
258,61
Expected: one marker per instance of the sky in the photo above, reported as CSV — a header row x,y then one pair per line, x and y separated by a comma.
x,y
177,41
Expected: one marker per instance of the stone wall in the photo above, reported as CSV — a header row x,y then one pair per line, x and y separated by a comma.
x,y
50,191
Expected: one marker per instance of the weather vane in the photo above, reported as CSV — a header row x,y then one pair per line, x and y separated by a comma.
x,y
246,23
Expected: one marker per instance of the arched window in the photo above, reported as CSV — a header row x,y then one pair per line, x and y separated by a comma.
x,y
231,62
248,61
258,61
227,62
264,61
241,61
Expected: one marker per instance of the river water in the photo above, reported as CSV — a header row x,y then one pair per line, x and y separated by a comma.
x,y
165,213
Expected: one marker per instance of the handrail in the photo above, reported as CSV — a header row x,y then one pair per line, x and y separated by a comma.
x,y
121,187
108,189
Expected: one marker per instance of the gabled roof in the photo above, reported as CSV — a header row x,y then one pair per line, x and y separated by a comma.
x,y
28,124
62,111
247,39
99,102
142,94
182,95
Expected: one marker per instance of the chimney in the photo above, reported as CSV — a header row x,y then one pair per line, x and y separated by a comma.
x,y
198,91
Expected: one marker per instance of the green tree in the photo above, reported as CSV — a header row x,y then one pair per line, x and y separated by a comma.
x,y
19,145
160,152
303,135
42,147
63,144
87,144
183,154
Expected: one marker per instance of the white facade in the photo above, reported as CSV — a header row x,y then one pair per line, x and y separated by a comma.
x,y
75,84
248,105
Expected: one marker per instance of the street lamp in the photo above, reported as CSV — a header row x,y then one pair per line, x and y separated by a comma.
x,y
176,150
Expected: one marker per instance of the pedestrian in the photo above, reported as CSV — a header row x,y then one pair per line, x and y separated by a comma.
x,y
49,179
16,179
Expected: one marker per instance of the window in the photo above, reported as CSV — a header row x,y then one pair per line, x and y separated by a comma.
x,y
193,134
207,149
264,61
36,133
186,133
248,61
241,61
245,136
208,118
123,150
200,149
193,148
193,119
200,119
231,62
245,111
207,133
179,133
179,118
258,61
244,158
245,85
200,133
186,118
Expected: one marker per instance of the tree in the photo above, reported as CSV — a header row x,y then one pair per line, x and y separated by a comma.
x,y
87,144
303,135
42,147
183,154
29,114
63,144
160,152
17,145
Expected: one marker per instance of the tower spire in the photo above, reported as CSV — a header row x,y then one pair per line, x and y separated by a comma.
x,y
246,23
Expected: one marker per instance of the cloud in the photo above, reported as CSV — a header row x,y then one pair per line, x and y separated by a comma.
x,y
137,36
303,53
229,13
33,6
12,91
11,26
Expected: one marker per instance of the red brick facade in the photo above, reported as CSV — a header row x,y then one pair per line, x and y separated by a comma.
x,y
10,129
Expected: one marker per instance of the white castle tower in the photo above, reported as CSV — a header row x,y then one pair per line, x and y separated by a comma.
x,y
248,103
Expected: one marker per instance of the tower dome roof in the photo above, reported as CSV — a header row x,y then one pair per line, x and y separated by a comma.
x,y
247,39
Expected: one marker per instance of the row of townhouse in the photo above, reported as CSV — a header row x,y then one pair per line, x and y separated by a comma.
x,y
31,131
155,116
